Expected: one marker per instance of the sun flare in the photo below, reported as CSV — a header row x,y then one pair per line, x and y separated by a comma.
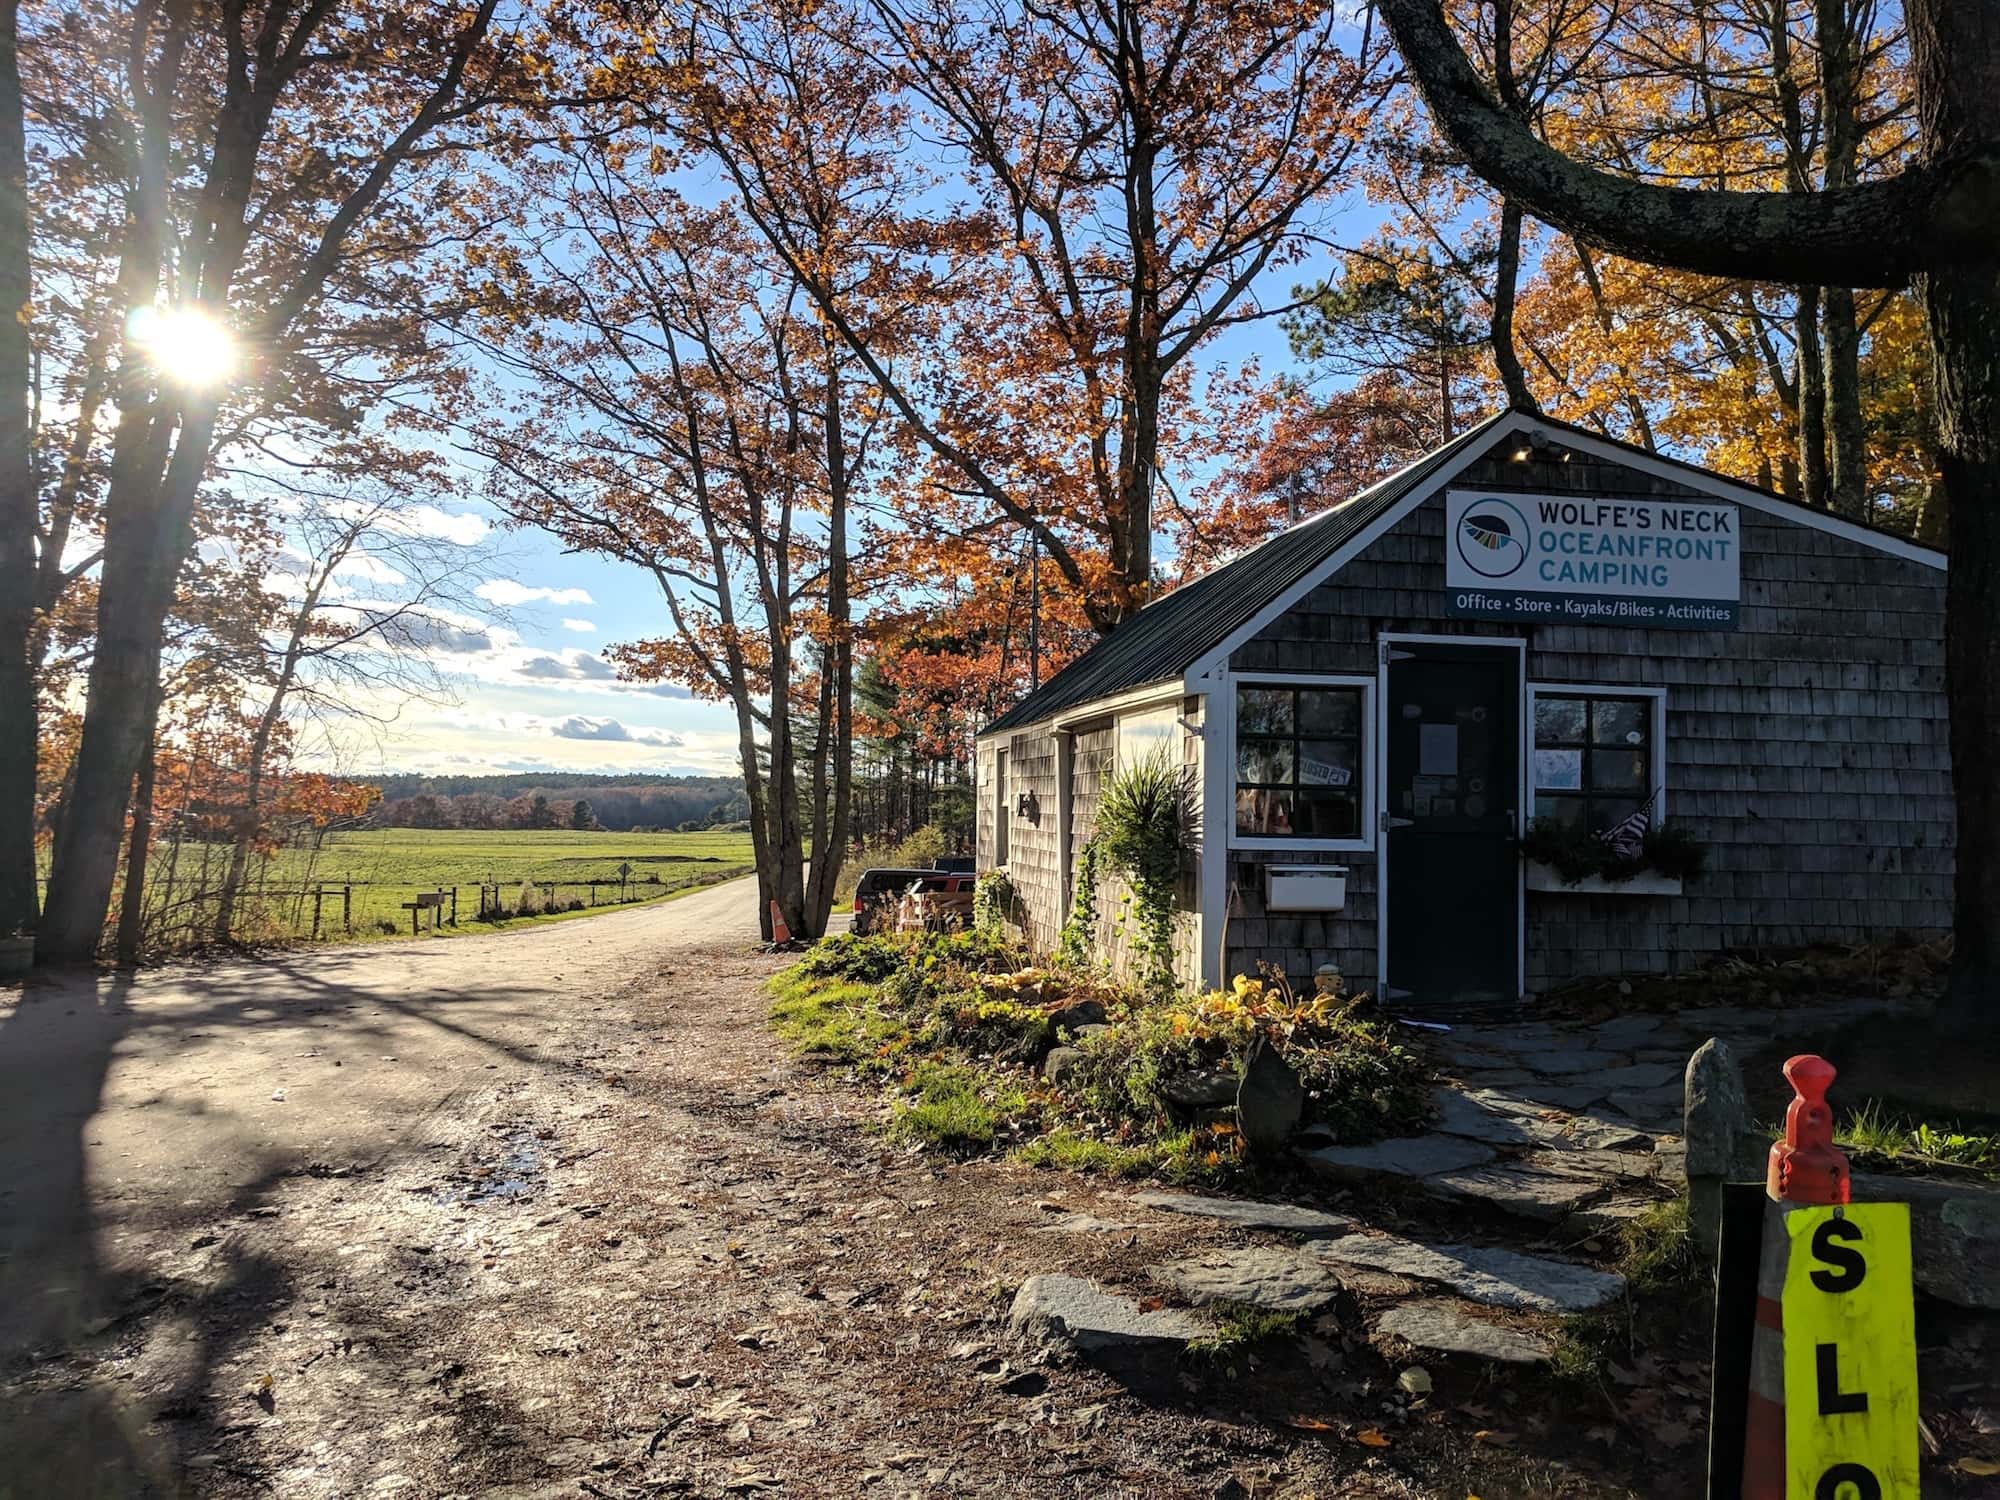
x,y
185,344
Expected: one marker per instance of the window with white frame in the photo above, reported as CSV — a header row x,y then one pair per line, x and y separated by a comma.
x,y
1597,755
1301,761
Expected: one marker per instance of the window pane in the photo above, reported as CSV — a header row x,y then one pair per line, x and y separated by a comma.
x,y
1618,771
1263,814
1264,760
1559,721
1263,710
1606,811
1327,814
1329,763
1329,711
1558,770
1567,811
1620,721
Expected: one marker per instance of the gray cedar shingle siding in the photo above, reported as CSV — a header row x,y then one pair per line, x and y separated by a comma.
x,y
1808,748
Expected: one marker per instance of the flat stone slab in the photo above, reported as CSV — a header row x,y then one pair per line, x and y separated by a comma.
x,y
1280,1280
1622,1031
1521,1191
1410,1156
1086,1224
1447,1328
1467,1116
1640,1075
1495,1078
1481,1273
1570,1096
1070,1310
1247,1213
1599,1133
1566,1060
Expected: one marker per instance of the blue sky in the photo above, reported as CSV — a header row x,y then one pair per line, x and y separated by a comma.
x,y
531,690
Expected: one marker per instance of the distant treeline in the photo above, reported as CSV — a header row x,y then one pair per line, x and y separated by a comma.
x,y
614,802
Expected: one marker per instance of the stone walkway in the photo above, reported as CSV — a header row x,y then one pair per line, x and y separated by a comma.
x,y
1543,1132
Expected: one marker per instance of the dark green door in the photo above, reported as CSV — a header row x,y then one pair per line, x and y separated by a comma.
x,y
1454,778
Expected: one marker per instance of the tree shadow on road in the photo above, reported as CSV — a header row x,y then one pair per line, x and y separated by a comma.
x,y
73,1422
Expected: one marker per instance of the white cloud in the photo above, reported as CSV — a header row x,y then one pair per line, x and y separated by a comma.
x,y
465,529
372,569
584,727
506,592
581,627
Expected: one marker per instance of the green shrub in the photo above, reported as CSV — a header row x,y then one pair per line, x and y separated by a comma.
x,y
847,955
1147,819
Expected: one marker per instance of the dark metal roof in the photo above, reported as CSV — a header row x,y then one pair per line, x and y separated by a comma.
x,y
1167,636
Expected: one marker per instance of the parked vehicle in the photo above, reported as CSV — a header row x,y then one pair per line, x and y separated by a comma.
x,y
877,893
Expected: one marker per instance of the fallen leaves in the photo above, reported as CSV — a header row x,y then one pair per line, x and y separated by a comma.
x,y
1983,1467
1372,1437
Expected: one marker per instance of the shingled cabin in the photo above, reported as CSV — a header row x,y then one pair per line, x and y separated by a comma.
x,y
1531,635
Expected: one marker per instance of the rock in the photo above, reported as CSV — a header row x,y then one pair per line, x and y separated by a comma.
x,y
1614,1213
1715,1112
1269,1099
1448,1328
1085,1316
1566,1060
1408,1156
1466,1115
1518,1190
1246,1213
1087,1032
1077,1015
1063,1066
1499,1278
1954,1234
1280,1280
1570,1096
1191,1091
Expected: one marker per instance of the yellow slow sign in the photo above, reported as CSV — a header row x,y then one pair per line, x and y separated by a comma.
x,y
1850,1355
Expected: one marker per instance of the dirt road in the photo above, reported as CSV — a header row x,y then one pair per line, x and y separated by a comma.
x,y
550,1214
155,1131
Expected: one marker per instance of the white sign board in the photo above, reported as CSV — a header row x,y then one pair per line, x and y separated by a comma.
x,y
1576,560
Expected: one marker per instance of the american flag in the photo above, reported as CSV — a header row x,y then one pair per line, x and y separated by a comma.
x,y
1627,837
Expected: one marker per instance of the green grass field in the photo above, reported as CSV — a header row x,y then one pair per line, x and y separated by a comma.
x,y
384,868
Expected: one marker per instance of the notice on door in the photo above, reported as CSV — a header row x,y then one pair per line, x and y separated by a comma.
x,y
1569,560
1850,1354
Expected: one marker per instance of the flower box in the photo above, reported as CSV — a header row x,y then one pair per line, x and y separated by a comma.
x,y
1543,877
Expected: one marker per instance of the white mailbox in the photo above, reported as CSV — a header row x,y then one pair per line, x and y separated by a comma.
x,y
1305,887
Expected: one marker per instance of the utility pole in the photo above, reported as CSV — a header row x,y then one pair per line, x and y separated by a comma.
x,y
1034,610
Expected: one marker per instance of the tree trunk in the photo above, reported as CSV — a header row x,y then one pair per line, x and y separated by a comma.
x,y
18,905
147,532
831,823
1812,400
1500,329
139,849
1955,49
1846,429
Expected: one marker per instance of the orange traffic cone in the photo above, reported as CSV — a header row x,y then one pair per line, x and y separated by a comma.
x,y
780,933
1806,1169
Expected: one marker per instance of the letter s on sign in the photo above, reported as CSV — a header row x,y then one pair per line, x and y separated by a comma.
x,y
1849,1267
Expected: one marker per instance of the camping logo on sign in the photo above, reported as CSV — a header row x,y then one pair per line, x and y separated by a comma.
x,y
1492,538
1586,560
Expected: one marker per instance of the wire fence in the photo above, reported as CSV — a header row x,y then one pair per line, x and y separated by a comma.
x,y
285,897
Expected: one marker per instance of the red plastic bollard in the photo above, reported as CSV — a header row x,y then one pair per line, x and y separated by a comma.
x,y
780,933
1805,1169
1806,1166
